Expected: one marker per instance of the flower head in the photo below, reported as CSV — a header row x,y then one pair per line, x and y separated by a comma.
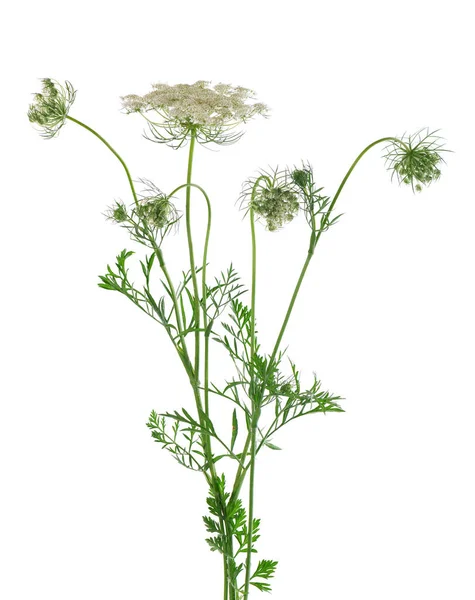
x,y
118,213
416,159
155,210
50,108
302,177
173,112
152,217
272,196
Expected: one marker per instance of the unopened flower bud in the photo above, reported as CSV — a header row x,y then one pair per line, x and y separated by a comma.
x,y
301,177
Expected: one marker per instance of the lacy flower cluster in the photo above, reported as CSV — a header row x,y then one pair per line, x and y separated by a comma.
x,y
208,112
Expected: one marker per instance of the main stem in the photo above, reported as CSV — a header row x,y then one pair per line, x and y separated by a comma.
x,y
196,310
256,409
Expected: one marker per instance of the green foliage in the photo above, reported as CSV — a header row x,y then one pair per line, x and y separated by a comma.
x,y
235,429
228,523
226,289
216,502
291,402
265,570
316,206
184,443
253,369
119,281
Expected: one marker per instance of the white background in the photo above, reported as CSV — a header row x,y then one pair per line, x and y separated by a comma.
x,y
376,503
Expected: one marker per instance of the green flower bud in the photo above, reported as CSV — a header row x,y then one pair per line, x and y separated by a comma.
x,y
156,211
301,177
119,213
415,160
277,205
50,109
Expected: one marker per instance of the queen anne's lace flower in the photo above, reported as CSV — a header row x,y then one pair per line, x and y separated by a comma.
x,y
50,108
273,196
209,112
276,205
415,159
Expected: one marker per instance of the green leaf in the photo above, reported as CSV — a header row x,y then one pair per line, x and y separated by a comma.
x,y
216,544
265,569
207,421
264,587
211,525
208,328
272,446
235,429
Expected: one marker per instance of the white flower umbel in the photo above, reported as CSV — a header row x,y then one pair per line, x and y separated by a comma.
x,y
174,112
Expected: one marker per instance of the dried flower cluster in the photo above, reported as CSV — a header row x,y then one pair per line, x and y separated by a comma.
x,y
209,111
50,108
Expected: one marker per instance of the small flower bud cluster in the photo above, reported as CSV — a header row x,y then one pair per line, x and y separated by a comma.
x,y
301,177
418,165
118,213
151,217
50,108
415,160
155,211
277,205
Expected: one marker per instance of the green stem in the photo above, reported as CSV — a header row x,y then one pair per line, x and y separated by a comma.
x,y
127,172
255,399
314,238
186,362
196,310
203,288
225,578
204,296
206,440
241,472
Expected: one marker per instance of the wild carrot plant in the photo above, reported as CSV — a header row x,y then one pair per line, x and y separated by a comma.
x,y
196,311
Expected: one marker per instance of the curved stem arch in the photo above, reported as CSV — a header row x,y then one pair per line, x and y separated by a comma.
x,y
316,236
